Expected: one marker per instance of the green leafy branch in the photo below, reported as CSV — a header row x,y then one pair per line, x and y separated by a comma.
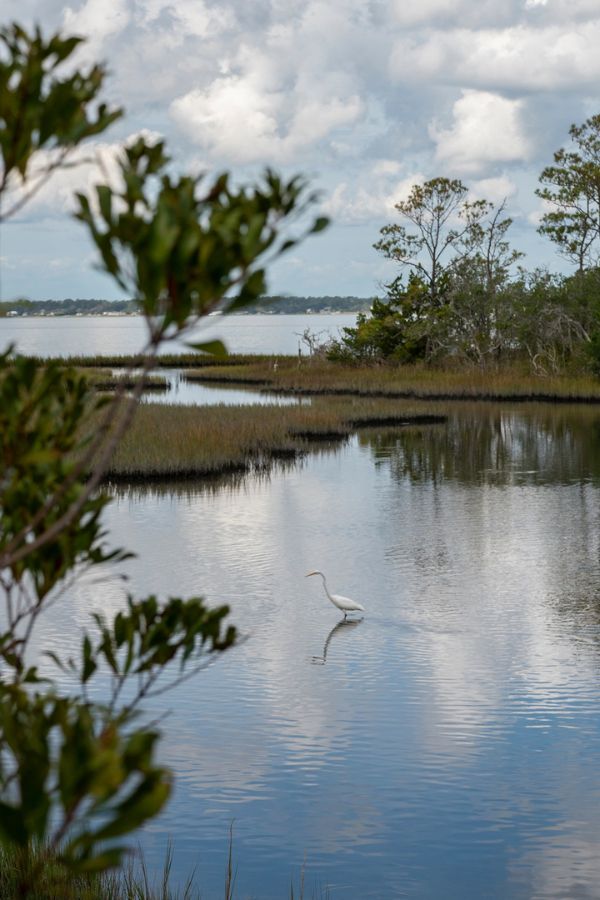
x,y
145,639
75,775
40,110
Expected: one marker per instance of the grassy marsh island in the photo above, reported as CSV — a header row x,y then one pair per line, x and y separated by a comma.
x,y
198,441
169,442
163,361
172,441
316,376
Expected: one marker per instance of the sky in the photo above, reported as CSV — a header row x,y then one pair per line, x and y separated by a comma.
x,y
364,97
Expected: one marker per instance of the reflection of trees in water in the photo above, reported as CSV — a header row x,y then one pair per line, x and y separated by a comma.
x,y
577,607
185,488
494,444
232,482
574,595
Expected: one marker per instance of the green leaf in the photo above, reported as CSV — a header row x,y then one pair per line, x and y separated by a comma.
x,y
321,223
89,663
105,201
212,348
144,803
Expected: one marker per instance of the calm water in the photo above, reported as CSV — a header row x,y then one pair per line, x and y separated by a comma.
x,y
447,745
189,393
72,335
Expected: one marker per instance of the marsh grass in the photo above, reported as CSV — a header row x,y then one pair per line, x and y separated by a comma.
x,y
194,441
316,376
44,880
40,878
512,381
104,379
165,360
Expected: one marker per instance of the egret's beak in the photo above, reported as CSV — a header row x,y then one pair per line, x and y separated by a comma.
x,y
311,573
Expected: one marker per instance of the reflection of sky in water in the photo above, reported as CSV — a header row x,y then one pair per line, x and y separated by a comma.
x,y
445,746
183,392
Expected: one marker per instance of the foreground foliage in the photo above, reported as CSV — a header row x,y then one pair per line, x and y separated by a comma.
x,y
78,775
131,882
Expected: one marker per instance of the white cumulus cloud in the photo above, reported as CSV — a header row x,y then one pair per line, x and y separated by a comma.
x,y
357,94
494,189
520,57
487,129
235,120
97,20
231,118
189,18
371,199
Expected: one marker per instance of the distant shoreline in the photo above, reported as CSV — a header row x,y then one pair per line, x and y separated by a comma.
x,y
268,305
132,315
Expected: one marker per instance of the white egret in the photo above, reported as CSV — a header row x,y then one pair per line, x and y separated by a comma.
x,y
344,603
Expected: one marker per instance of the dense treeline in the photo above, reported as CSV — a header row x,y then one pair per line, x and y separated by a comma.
x,y
461,294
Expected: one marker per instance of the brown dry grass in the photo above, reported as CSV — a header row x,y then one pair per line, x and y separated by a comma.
x,y
420,382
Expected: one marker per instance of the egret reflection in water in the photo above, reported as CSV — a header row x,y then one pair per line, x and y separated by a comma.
x,y
344,625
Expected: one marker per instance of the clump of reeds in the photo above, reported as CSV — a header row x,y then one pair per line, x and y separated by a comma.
x,y
38,876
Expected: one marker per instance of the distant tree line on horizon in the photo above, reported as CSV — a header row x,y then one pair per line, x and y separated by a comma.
x,y
461,295
68,307
281,305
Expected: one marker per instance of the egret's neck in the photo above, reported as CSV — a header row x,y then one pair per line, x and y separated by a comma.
x,y
325,585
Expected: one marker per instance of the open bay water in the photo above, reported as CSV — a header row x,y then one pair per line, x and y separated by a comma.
x,y
91,335
446,745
